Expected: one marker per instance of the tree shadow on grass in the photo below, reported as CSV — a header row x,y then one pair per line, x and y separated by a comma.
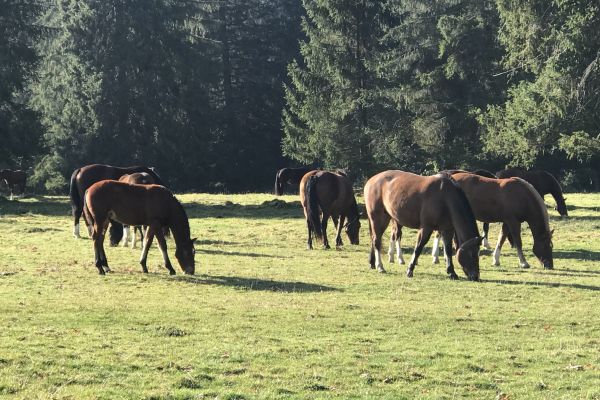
x,y
269,209
41,205
578,254
546,284
238,253
254,284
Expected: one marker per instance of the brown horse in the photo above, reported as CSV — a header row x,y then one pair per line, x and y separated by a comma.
x,y
511,201
426,203
138,178
324,194
151,205
84,177
543,182
14,178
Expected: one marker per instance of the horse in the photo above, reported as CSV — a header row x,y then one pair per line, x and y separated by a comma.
x,y
543,182
84,177
324,194
290,176
14,178
426,203
130,204
510,201
138,178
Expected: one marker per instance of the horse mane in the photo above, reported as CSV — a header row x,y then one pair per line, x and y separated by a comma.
x,y
539,200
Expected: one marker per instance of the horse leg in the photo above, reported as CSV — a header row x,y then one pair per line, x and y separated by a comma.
x,y
147,243
162,245
422,238
126,235
392,244
377,230
435,249
447,239
514,227
338,237
496,253
97,251
398,247
486,230
324,227
309,245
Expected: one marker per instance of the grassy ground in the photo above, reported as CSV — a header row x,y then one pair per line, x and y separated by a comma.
x,y
265,318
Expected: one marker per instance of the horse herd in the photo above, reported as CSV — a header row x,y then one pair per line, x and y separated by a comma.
x,y
449,202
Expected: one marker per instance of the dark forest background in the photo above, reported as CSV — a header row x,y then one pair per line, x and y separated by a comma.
x,y
218,95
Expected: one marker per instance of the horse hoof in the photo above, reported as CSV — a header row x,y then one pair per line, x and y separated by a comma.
x,y
171,272
495,263
453,277
326,247
409,274
435,261
372,266
391,260
381,270
401,261
525,266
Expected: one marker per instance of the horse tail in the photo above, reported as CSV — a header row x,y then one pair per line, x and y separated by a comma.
x,y
87,214
76,200
312,207
278,183
115,232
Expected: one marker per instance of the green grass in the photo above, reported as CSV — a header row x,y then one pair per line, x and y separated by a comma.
x,y
265,318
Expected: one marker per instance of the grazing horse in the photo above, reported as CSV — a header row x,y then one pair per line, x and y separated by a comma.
x,y
138,178
290,176
84,177
324,194
510,201
150,205
426,203
14,178
544,182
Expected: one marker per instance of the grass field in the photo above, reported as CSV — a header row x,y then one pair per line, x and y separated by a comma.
x,y
264,318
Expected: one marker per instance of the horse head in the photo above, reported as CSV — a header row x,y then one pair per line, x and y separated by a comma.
x,y
185,255
468,257
561,207
352,229
542,248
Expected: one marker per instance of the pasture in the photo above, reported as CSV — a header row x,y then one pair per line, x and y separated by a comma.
x,y
265,318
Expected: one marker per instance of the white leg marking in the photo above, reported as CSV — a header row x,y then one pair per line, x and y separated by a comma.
x,y
435,250
486,244
125,235
522,261
76,231
399,253
378,262
391,252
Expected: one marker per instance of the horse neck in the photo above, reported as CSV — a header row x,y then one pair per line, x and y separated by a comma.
x,y
462,217
178,223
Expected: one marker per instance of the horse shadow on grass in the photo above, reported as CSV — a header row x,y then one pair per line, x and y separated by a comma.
x,y
254,284
577,254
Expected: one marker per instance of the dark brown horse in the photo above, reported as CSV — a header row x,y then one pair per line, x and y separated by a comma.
x,y
426,203
84,177
324,194
150,205
289,176
14,178
510,201
138,178
544,182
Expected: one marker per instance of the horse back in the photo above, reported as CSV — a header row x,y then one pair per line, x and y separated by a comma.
x,y
411,200
130,204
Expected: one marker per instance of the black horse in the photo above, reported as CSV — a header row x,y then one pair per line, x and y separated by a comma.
x,y
289,176
84,177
